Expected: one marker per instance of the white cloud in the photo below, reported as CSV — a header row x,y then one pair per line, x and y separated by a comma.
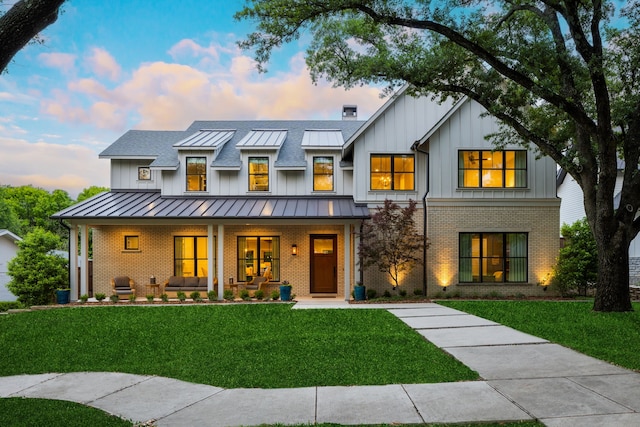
x,y
51,166
65,62
103,64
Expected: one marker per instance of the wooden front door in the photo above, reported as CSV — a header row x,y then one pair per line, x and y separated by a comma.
x,y
324,263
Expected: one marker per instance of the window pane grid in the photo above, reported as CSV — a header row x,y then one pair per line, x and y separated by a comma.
x,y
493,257
190,256
323,174
392,172
196,174
492,169
255,254
258,174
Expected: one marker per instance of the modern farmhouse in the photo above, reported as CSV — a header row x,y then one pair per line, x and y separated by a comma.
x,y
226,201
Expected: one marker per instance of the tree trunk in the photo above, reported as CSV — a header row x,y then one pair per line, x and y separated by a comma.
x,y
23,22
612,289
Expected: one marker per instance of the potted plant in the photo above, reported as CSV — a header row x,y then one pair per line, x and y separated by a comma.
x,y
359,292
285,291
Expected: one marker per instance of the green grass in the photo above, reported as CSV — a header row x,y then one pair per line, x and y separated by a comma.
x,y
613,337
17,411
244,345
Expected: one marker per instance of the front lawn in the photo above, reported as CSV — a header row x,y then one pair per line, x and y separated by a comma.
x,y
613,337
244,345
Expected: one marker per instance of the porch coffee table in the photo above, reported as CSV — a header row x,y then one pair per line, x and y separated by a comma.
x,y
155,287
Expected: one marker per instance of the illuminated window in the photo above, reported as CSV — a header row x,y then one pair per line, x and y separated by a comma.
x,y
196,174
392,172
131,243
493,257
255,254
492,169
190,256
323,174
258,174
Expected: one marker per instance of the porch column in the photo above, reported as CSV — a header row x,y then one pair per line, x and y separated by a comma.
x,y
73,261
84,260
220,261
211,250
347,262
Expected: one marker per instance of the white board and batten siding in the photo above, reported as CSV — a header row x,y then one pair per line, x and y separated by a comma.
x,y
124,175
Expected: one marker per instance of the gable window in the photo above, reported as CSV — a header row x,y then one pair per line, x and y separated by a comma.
x,y
323,174
492,169
258,174
392,172
257,254
493,257
190,256
196,174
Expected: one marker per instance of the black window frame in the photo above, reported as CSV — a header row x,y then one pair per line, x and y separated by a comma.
x,y
392,173
332,175
504,261
202,180
504,169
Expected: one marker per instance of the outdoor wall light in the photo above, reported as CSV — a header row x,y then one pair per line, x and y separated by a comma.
x,y
294,249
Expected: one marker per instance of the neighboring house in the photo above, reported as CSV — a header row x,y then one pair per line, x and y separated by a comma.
x,y
572,210
8,250
227,199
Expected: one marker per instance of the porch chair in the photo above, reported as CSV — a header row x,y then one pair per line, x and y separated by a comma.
x,y
123,286
259,282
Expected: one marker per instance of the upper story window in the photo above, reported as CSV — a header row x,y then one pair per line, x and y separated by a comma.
x,y
492,169
393,172
258,174
323,174
196,174
493,257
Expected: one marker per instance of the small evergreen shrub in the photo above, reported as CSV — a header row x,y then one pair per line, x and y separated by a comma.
x,y
84,298
181,296
259,294
212,295
195,295
150,298
402,292
100,296
228,295
371,293
164,298
417,292
114,298
132,298
244,295
275,295
386,294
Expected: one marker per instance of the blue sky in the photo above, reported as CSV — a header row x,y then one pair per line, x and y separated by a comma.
x,y
107,67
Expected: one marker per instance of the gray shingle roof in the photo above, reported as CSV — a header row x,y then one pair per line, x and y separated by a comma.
x,y
159,145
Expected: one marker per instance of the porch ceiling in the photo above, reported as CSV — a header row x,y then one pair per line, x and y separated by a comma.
x,y
151,204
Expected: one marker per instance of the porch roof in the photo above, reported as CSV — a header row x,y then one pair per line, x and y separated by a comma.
x,y
151,204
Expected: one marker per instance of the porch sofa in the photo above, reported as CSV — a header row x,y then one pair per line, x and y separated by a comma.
x,y
176,284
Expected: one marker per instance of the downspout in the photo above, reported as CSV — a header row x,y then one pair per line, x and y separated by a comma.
x,y
360,268
416,147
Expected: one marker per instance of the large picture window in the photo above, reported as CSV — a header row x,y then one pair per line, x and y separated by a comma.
x,y
492,169
196,174
255,254
258,174
323,174
493,257
190,256
392,172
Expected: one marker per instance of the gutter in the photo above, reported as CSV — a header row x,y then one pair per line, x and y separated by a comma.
x,y
416,148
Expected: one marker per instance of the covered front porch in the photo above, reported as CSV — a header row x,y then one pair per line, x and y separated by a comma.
x,y
309,242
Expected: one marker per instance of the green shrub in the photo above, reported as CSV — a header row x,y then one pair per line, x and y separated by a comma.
x,y
164,298
10,305
228,295
576,269
84,298
244,295
181,296
35,273
386,294
100,296
371,293
259,294
114,298
417,292
212,295
150,298
275,295
132,298
195,295
402,292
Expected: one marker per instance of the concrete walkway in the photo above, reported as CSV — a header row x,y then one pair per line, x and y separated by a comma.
x,y
525,377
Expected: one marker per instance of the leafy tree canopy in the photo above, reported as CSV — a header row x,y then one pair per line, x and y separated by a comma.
x,y
89,192
556,74
577,266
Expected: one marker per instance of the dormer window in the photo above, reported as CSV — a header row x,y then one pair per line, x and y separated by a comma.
x,y
323,174
258,174
196,174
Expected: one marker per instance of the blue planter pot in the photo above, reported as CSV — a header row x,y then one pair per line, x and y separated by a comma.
x,y
285,293
63,296
360,293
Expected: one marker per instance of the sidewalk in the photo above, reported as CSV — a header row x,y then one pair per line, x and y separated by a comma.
x,y
525,377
